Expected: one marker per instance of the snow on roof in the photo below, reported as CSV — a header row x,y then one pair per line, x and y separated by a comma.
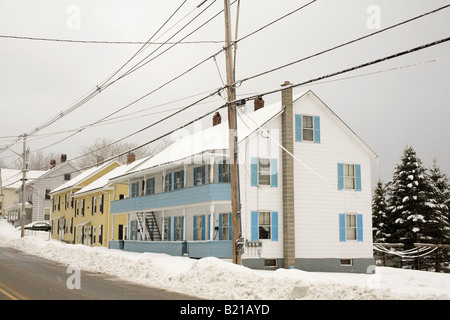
x,y
212,138
82,176
12,178
103,181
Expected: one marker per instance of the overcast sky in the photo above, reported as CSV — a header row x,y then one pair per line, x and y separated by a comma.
x,y
388,110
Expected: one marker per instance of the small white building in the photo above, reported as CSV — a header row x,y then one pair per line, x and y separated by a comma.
x,y
305,191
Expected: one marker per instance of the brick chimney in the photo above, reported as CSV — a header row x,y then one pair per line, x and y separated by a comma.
x,y
100,160
131,157
217,119
287,136
52,163
63,158
259,103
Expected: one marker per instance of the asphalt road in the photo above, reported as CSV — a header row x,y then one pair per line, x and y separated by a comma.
x,y
26,277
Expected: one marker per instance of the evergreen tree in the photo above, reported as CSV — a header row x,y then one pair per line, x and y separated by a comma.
x,y
380,227
411,201
441,213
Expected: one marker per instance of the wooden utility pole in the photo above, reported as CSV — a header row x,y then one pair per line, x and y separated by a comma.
x,y
234,169
24,179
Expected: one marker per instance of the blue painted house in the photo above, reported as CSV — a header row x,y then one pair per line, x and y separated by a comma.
x,y
305,191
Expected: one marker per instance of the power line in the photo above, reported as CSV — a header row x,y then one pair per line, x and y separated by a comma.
x,y
109,42
342,44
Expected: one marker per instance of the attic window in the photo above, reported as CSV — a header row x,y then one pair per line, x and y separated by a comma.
x,y
67,176
308,128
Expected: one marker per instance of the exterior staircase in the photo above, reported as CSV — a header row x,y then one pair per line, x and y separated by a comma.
x,y
149,226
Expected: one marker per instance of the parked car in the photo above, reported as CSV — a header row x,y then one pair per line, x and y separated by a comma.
x,y
39,226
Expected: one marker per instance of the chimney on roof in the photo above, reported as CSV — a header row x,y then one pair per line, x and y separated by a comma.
x,y
52,163
63,158
131,157
217,119
259,103
100,160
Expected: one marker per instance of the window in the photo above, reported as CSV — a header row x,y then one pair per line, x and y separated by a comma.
x,y
178,179
93,234
346,262
150,186
100,234
349,176
168,182
166,228
77,208
199,227
264,224
47,194
307,128
199,175
82,207
100,206
350,227
67,176
226,224
224,171
47,213
178,221
264,172
94,205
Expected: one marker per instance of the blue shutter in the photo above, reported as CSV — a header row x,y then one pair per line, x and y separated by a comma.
x,y
254,226
298,128
210,217
135,228
220,226
203,174
153,185
182,228
274,226
254,172
170,181
137,189
132,190
359,227
316,129
147,189
174,228
195,176
168,230
274,172
182,179
230,227
340,176
195,227
203,227
220,170
342,227
357,177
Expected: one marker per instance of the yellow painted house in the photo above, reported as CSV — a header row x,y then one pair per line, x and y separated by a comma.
x,y
82,216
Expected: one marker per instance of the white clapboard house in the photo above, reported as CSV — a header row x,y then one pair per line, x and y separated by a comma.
x,y
305,191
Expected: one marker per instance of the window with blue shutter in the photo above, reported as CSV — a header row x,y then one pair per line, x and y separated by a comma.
x,y
316,129
254,226
359,227
254,172
274,173
298,128
274,226
349,177
195,227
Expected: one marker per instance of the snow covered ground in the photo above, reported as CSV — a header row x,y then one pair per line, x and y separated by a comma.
x,y
212,278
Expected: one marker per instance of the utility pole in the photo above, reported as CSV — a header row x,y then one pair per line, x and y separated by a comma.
x,y
234,169
24,179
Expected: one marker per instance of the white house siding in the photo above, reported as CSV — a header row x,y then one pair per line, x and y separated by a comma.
x,y
261,198
318,202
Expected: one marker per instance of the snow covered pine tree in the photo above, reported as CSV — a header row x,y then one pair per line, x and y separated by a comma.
x,y
412,204
380,225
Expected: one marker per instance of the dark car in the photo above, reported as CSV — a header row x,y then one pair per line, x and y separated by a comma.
x,y
39,226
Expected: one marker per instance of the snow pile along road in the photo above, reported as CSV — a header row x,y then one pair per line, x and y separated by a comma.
x,y
212,278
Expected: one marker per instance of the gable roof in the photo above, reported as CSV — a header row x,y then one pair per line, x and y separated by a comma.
x,y
49,173
346,128
12,178
82,176
216,137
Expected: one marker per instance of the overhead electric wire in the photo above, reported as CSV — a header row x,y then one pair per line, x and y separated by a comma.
x,y
108,42
386,58
342,44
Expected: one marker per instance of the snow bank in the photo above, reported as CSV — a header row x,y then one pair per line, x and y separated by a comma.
x,y
212,278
